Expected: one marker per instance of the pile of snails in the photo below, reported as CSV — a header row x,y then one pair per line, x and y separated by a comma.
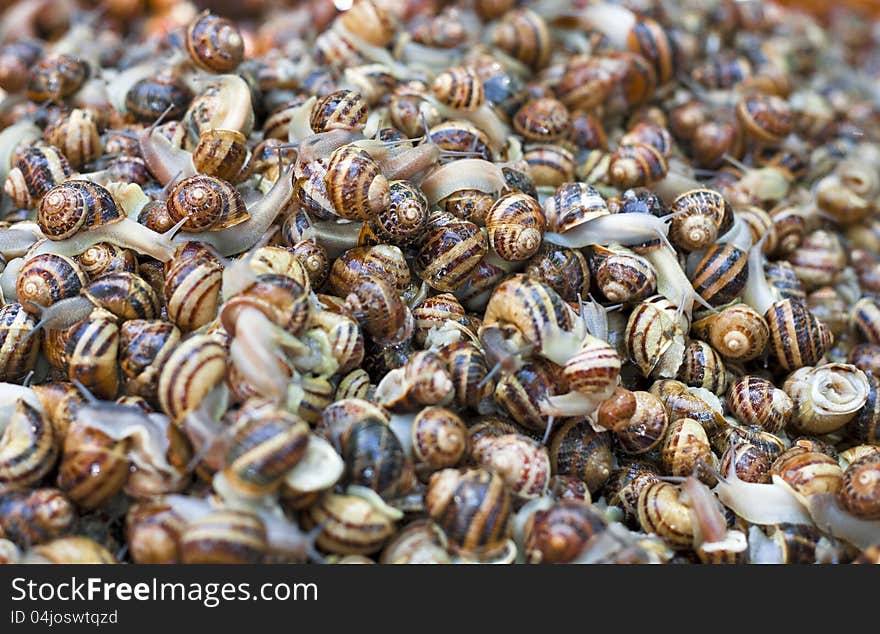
x,y
439,282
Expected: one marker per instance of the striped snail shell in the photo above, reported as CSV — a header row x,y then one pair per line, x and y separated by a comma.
x,y
651,134
760,224
713,140
402,222
865,318
756,401
226,536
423,380
192,282
281,299
587,131
350,525
524,35
144,347
339,110
723,71
35,171
472,507
522,462
807,472
106,257
860,493
314,259
579,451
636,165
47,278
152,531
681,401
374,457
94,467
448,254
266,443
826,397
91,353
522,393
459,88
432,313
370,21
35,516
703,367
151,97
221,153
549,164
355,384
866,357
76,135
865,426
684,447
564,270
738,333
28,447
515,226
379,309
559,533
621,274
641,429
56,77
707,216
355,184
544,119
594,370
569,488
467,367
648,38
662,512
419,542
655,339
784,281
382,260
318,393
207,203
751,460
627,482
194,368
819,260
797,338
439,438
213,43
721,274
126,295
766,119
74,206
71,550
344,336
573,204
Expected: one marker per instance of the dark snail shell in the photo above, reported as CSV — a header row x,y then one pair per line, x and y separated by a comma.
x,y
765,118
342,109
621,274
31,517
523,34
860,493
448,254
152,97
577,450
722,273
459,88
559,533
757,401
636,165
126,295
355,184
106,257
221,153
16,58
18,356
214,44
91,353
703,367
472,507
144,346
545,119
74,206
56,77
35,171
207,203
403,220
797,338
28,447
191,288
564,270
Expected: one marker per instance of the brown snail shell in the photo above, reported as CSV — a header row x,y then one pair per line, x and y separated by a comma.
x,y
214,44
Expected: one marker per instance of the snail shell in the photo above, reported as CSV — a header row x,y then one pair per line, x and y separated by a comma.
x,y
573,204
860,493
622,275
47,278
91,353
439,438
460,88
151,97
819,260
738,333
808,472
560,533
72,550
524,35
706,216
35,171
340,110
214,44
636,165
655,339
448,254
797,338
577,450
703,367
192,282
662,512
355,184
350,525
126,295
549,164
765,118
721,275
515,226
106,257
402,222
544,119
221,153
468,369
94,467
522,462
194,368
56,77
684,447
76,135
639,427
472,507
35,516
826,397
370,21
152,531
226,536
564,270
382,260
74,206
144,347
207,203
756,401
28,447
